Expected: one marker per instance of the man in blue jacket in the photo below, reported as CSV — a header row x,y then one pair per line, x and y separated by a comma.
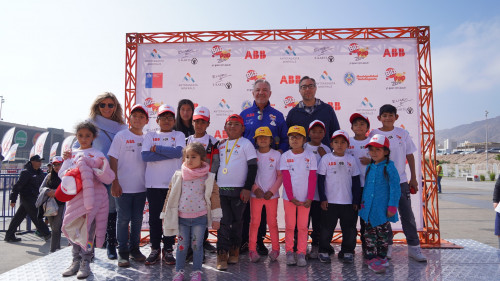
x,y
261,114
311,108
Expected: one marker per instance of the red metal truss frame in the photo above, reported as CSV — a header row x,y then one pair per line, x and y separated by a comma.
x,y
430,235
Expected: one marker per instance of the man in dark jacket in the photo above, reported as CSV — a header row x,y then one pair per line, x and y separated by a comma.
x,y
27,186
311,108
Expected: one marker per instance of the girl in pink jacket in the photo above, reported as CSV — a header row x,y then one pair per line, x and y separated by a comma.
x,y
86,170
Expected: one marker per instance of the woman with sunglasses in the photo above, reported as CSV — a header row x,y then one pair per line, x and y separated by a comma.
x,y
107,115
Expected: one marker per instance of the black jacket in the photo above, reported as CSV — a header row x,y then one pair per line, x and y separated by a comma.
x,y
28,184
496,192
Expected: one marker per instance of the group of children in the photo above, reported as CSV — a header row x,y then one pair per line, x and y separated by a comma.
x,y
199,182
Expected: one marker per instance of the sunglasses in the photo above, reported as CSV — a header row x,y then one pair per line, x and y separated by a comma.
x,y
110,105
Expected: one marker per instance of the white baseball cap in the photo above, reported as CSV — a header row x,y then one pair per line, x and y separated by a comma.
x,y
56,159
378,140
316,122
340,133
166,108
140,107
201,112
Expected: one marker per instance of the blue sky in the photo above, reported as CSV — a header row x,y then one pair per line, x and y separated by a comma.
x,y
56,56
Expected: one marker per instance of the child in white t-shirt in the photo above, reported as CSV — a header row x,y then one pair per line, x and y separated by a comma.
x,y
235,177
201,121
360,126
162,152
298,168
128,188
265,192
316,134
340,195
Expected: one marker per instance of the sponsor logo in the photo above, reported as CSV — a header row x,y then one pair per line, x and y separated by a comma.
x,y
223,109
392,53
289,101
21,138
253,55
154,58
395,78
335,105
360,52
187,55
366,107
150,103
220,134
252,75
154,80
188,82
366,103
349,78
223,104
325,80
320,52
221,80
290,79
404,104
246,104
221,54
290,55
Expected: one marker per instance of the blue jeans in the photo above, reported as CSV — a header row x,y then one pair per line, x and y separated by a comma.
x,y
129,207
190,231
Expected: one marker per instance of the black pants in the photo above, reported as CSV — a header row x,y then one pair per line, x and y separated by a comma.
x,y
246,225
315,219
348,219
229,233
156,199
27,208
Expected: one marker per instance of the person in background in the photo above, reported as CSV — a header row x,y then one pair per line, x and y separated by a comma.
x,y
496,199
184,117
440,174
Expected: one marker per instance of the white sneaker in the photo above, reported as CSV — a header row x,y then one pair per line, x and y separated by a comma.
x,y
301,260
313,254
389,252
290,258
415,253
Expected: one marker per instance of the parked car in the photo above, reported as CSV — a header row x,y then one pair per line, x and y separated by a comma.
x,y
479,151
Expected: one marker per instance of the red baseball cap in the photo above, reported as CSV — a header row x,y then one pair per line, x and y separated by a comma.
x,y
340,133
316,123
166,108
379,140
359,115
139,107
201,112
235,116
71,185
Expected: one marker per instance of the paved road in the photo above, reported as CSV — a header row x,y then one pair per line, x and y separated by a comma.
x,y
466,212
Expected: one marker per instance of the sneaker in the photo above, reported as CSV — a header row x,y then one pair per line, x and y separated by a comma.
x,y
290,258
348,258
244,248
179,275
168,257
254,257
195,275
12,238
137,255
375,265
153,257
389,252
209,247
301,260
313,254
84,271
324,257
384,262
262,249
274,255
415,253
47,237
111,251
123,259
72,269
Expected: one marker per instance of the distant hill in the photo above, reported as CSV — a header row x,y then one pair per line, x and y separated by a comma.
x,y
474,132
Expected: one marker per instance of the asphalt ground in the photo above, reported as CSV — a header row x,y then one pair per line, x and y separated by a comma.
x,y
465,212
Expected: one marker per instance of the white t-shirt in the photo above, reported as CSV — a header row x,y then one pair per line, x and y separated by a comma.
x,y
77,153
339,171
203,140
401,145
237,166
268,164
357,150
127,147
299,166
314,149
159,173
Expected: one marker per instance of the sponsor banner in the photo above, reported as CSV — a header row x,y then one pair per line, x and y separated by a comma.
x,y
67,143
358,75
53,150
7,141
40,143
11,154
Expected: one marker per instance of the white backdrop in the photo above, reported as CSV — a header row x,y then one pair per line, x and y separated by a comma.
x,y
351,75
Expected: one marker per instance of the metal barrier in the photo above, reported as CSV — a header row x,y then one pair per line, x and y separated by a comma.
x,y
6,183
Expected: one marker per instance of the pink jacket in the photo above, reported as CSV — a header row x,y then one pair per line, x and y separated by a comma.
x,y
92,202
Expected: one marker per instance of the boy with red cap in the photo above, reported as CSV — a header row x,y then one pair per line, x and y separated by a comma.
x,y
235,177
162,152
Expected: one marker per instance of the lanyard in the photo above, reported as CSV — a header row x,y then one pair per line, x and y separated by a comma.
x,y
231,153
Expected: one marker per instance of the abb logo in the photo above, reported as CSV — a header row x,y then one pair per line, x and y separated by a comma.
x,y
394,52
130,141
290,79
289,160
335,105
220,135
256,55
156,139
